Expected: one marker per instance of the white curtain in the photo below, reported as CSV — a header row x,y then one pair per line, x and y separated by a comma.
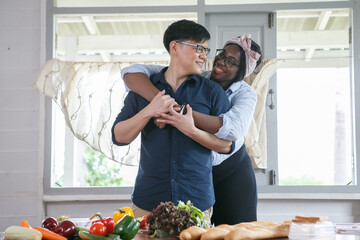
x,y
90,95
256,137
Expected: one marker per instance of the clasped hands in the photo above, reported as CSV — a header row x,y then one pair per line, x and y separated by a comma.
x,y
167,111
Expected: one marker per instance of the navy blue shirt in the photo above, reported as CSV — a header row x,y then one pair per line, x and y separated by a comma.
x,y
173,166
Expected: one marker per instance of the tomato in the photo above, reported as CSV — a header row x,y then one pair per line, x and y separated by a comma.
x,y
98,228
108,222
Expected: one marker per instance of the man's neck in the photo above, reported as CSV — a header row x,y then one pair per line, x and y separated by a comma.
x,y
174,76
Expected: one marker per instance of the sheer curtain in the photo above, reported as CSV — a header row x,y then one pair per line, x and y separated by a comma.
x,y
90,95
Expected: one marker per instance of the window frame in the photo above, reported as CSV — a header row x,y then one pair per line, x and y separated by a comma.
x,y
201,9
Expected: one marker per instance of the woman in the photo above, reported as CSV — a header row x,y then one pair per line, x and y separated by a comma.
x,y
233,174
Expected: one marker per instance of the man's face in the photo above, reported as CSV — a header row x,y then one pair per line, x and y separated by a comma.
x,y
190,57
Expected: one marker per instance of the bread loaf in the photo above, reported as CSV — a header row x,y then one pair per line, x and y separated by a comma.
x,y
248,230
216,233
192,233
258,232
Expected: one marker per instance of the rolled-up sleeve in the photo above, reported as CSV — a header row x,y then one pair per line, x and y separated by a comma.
x,y
237,120
129,110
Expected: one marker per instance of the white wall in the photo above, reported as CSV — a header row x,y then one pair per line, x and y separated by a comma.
x,y
19,112
21,128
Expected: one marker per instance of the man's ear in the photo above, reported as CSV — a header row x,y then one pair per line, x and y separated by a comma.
x,y
173,47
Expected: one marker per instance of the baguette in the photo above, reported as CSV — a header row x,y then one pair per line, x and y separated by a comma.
x,y
258,232
226,226
257,223
192,233
216,233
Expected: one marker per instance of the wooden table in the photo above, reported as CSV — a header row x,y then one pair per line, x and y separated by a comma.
x,y
145,236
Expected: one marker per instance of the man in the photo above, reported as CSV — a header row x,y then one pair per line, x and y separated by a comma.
x,y
173,165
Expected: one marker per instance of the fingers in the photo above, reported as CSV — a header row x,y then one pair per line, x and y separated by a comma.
x,y
189,110
161,93
176,107
158,123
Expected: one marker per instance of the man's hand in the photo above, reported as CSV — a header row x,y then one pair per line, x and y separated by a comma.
x,y
160,104
184,123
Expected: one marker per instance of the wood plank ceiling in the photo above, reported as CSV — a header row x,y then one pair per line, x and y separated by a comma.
x,y
138,37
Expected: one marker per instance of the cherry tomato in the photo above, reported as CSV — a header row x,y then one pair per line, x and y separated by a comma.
x,y
98,228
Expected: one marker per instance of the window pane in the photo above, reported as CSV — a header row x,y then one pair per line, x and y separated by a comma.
x,y
314,99
314,126
225,2
121,3
125,38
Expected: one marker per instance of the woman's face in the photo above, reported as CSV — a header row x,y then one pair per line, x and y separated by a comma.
x,y
221,73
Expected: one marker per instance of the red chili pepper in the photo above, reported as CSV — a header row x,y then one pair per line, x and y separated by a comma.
x,y
108,223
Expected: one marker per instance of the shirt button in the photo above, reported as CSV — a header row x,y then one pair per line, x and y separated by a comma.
x,y
172,180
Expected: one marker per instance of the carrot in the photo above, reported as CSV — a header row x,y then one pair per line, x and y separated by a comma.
x,y
25,223
49,235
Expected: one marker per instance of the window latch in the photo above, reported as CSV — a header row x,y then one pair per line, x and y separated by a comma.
x,y
272,177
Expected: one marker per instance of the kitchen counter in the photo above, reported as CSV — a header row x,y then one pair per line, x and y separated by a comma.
x,y
145,236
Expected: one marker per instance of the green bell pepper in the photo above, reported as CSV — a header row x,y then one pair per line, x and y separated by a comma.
x,y
127,227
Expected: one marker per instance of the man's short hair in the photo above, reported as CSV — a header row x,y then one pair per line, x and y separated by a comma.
x,y
184,30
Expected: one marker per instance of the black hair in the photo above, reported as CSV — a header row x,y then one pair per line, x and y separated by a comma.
x,y
183,30
241,72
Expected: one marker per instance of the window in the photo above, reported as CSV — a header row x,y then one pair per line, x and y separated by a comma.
x,y
122,3
314,87
314,98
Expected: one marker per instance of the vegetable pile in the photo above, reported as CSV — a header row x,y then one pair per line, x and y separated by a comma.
x,y
125,227
169,220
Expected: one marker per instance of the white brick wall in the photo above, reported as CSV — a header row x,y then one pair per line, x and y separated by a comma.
x,y
20,179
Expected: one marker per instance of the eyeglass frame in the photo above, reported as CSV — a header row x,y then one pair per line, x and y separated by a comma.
x,y
199,48
226,59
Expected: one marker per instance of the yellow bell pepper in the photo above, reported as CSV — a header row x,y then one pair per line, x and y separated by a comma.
x,y
120,213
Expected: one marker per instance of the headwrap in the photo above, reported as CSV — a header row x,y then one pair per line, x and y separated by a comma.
x,y
251,57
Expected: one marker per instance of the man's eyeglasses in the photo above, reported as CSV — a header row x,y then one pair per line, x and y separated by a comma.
x,y
199,49
227,61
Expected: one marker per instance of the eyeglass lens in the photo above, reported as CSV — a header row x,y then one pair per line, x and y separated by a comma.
x,y
228,63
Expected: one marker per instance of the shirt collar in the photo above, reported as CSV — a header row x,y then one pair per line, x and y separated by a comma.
x,y
233,88
160,77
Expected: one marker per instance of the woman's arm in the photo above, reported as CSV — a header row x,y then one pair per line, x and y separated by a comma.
x,y
208,123
136,78
141,84
237,120
185,124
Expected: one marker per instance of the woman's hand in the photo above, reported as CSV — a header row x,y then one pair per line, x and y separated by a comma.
x,y
184,123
